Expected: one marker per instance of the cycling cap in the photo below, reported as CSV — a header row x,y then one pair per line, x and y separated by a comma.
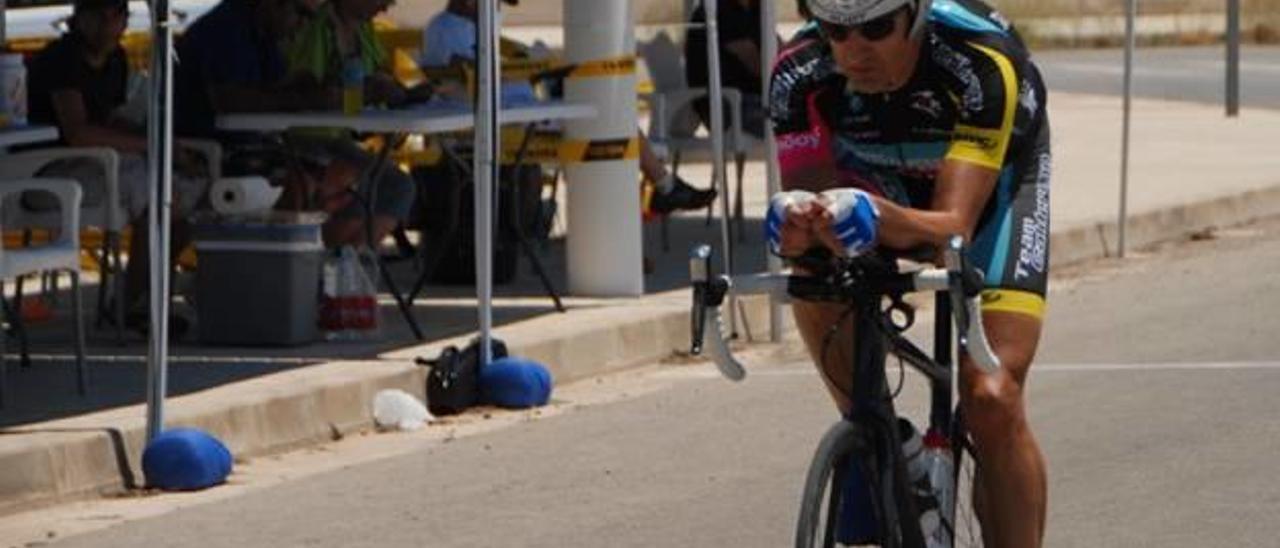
x,y
857,12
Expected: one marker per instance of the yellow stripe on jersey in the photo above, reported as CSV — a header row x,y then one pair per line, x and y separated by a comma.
x,y
983,146
1013,300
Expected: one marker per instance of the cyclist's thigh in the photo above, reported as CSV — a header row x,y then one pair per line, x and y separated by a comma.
x,y
1012,249
831,351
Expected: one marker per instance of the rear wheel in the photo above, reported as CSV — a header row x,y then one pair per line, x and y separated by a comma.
x,y
967,531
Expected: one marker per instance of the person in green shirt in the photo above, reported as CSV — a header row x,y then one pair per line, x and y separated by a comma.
x,y
338,34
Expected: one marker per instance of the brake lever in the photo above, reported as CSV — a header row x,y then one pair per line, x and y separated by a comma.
x,y
699,274
964,288
708,295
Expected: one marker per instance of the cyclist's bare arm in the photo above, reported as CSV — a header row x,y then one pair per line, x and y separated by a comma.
x,y
961,192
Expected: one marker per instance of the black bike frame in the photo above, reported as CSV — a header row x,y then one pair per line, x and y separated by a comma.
x,y
874,409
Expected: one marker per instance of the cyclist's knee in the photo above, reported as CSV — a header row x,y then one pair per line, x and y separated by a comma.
x,y
993,407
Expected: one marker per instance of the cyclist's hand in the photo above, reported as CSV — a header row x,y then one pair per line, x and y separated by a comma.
x,y
788,221
848,221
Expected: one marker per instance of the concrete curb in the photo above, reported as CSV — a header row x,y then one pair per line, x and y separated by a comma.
x,y
1101,239
98,454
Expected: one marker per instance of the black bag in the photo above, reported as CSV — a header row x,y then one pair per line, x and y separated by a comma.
x,y
453,382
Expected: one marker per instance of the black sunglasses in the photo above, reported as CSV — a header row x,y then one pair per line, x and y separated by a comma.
x,y
873,31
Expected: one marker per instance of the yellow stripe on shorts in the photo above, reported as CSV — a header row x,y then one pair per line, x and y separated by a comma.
x,y
1013,300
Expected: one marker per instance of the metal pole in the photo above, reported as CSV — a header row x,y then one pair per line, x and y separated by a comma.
x,y
717,148
1233,58
768,51
1131,13
159,176
485,166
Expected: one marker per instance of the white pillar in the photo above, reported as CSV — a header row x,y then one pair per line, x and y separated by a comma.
x,y
605,247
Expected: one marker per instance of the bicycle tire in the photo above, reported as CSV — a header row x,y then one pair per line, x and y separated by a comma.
x,y
842,440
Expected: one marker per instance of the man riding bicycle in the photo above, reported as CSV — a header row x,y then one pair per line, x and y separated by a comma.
x,y
936,115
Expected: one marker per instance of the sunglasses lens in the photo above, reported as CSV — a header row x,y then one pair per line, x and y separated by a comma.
x,y
877,29
874,30
834,32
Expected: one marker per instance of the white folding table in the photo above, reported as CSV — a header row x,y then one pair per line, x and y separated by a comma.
x,y
433,117
27,135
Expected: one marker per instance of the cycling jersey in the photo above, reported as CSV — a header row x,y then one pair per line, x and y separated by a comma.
x,y
974,97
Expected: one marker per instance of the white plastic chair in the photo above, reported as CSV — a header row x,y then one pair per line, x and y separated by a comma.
x,y
61,254
673,123
107,214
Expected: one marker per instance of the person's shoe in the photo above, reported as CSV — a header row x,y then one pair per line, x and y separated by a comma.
x,y
682,196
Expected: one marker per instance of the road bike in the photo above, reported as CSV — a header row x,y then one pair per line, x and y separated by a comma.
x,y
874,286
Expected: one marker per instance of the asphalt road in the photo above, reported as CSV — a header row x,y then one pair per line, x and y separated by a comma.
x,y
1153,398
1195,74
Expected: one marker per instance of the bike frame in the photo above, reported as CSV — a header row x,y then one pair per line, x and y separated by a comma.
x,y
864,283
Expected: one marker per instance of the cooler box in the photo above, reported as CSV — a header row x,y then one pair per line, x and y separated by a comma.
x,y
258,283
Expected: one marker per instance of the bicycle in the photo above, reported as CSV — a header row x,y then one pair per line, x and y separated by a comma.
x,y
870,438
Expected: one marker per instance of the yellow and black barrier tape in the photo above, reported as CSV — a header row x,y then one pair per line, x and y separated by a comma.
x,y
617,66
599,150
542,148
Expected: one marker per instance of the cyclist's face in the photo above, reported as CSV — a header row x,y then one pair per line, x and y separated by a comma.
x,y
876,56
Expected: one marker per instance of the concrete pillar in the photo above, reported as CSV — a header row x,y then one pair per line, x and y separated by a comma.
x,y
604,240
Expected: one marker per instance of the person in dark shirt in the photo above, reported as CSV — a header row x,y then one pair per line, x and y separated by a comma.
x,y
234,60
738,23
229,60
77,83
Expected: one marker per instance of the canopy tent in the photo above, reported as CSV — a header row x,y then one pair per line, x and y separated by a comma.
x,y
486,164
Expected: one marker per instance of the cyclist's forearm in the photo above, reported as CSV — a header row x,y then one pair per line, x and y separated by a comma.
x,y
908,228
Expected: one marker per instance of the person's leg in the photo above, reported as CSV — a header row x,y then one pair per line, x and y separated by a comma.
x,y
1011,492
137,272
651,165
830,346
391,206
670,192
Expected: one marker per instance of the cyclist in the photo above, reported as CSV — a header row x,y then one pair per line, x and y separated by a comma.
x,y
937,114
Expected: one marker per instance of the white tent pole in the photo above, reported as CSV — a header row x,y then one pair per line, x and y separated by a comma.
x,y
159,177
768,51
717,147
485,166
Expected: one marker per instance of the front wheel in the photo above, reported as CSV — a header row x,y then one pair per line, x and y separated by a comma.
x,y
820,501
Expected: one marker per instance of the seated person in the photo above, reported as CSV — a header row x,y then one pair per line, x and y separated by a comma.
x,y
450,37
233,61
76,83
341,32
740,68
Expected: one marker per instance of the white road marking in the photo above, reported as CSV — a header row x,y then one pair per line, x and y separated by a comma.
x,y
1187,366
701,373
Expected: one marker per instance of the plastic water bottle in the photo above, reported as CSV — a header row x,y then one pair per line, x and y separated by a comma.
x,y
857,523
353,86
937,459
348,303
13,90
922,460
